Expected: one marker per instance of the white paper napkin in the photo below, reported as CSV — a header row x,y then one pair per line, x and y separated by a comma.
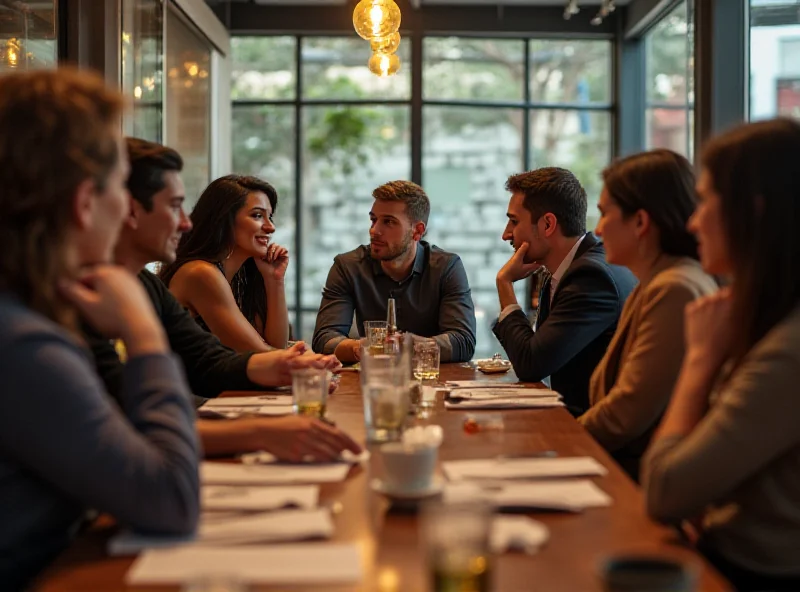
x,y
302,564
212,473
254,401
571,495
253,499
517,533
523,468
506,403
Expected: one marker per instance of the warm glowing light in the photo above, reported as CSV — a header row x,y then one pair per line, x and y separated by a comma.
x,y
192,68
203,74
137,92
126,38
384,65
388,44
376,18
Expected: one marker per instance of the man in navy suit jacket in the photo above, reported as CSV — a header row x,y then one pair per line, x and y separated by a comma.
x,y
582,298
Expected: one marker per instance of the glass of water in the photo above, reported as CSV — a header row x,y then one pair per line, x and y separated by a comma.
x,y
456,541
426,360
310,391
375,333
385,382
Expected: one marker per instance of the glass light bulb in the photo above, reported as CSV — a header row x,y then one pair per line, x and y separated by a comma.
x,y
376,18
383,65
388,44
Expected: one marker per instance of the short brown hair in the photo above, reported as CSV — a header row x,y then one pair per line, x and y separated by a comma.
x,y
418,206
57,129
553,190
149,161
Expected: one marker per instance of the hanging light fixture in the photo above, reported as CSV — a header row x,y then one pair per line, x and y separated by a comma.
x,y
376,18
387,45
383,65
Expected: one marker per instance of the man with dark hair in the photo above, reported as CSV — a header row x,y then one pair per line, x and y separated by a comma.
x,y
151,233
429,285
582,298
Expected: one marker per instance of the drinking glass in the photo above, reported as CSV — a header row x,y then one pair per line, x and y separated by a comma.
x,y
456,542
385,382
426,360
310,391
375,333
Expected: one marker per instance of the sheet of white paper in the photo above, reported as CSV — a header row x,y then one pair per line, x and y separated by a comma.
x,y
234,412
523,468
481,384
237,529
253,499
212,473
507,403
254,401
571,495
278,565
500,393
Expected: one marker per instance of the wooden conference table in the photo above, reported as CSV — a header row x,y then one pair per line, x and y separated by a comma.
x,y
387,540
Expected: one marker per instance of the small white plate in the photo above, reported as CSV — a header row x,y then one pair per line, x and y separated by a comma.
x,y
436,487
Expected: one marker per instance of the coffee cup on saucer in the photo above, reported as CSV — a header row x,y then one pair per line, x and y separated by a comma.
x,y
410,465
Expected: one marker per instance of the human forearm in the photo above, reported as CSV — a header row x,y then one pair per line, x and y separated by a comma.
x,y
346,350
276,325
227,438
505,291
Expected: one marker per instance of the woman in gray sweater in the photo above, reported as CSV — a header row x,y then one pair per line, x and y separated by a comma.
x,y
65,447
728,450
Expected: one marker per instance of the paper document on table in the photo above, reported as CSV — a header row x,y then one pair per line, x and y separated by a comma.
x,y
481,384
212,473
571,495
254,499
504,403
302,564
254,401
234,412
499,393
234,529
523,468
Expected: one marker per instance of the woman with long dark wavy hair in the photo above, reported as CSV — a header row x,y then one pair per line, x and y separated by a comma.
x,y
227,273
727,452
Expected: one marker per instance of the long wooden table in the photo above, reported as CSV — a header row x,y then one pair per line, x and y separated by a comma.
x,y
388,540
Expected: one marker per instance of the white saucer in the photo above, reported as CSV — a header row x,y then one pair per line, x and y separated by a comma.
x,y
435,488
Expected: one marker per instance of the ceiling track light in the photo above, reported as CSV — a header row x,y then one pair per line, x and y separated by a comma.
x,y
606,8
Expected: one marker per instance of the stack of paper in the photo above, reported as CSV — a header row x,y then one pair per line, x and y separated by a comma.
x,y
235,529
571,495
502,398
215,498
480,384
282,565
213,473
523,468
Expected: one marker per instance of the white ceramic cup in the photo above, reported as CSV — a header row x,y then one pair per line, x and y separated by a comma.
x,y
408,467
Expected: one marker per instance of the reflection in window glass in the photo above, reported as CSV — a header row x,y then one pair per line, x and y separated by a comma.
x,y
457,68
263,68
142,52
28,35
570,71
576,140
774,59
336,68
468,153
670,80
348,152
189,103
262,145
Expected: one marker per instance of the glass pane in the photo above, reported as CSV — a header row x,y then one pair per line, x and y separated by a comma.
x,y
262,146
576,140
28,35
189,103
458,68
142,54
667,57
667,128
467,155
336,68
774,59
348,152
263,67
570,71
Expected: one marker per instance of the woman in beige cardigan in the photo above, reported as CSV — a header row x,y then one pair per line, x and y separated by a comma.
x,y
733,458
645,204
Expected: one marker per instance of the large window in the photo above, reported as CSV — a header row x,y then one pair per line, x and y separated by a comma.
x,y
669,117
142,71
774,59
28,35
326,132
